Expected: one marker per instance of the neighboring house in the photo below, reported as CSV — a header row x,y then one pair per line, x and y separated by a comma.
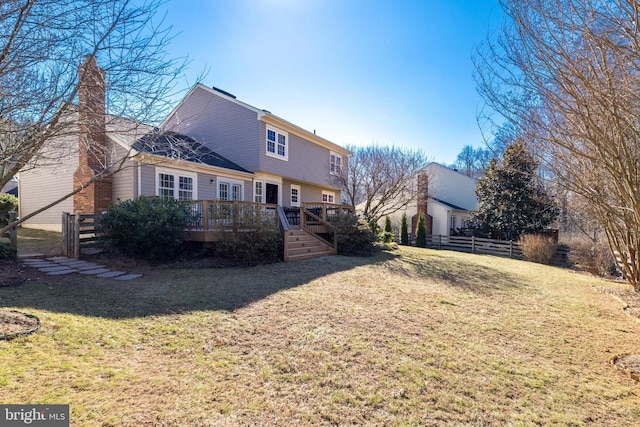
x,y
446,197
211,147
11,187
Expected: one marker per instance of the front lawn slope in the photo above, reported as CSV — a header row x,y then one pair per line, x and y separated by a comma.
x,y
419,337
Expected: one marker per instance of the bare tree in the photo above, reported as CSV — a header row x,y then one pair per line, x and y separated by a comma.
x,y
42,45
566,73
380,180
473,161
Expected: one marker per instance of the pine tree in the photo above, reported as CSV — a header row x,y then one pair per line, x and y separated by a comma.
x,y
512,201
421,233
404,230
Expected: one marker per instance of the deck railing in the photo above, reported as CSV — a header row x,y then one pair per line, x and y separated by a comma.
x,y
316,219
212,216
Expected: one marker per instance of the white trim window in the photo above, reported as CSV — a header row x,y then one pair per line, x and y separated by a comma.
x,y
258,192
335,163
175,184
328,197
277,143
230,190
295,195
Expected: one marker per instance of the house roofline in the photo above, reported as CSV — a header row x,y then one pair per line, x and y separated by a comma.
x,y
190,166
450,205
436,164
265,116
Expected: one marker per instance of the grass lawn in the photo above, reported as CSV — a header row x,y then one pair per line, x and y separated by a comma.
x,y
413,337
32,241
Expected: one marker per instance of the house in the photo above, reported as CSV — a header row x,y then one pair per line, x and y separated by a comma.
x,y
446,197
211,147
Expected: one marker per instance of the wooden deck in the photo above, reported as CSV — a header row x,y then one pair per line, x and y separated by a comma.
x,y
307,230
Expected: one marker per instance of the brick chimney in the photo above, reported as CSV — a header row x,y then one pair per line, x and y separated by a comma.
x,y
423,201
92,151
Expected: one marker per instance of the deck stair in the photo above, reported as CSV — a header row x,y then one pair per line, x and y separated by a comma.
x,y
301,245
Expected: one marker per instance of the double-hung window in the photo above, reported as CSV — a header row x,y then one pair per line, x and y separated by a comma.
x,y
176,185
277,143
335,163
328,197
295,195
229,190
258,192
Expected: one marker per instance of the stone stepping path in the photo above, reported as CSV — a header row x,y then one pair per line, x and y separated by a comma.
x,y
58,266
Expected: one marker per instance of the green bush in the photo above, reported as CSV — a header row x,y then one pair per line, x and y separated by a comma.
x,y
355,236
404,230
149,228
538,249
8,202
387,236
421,233
263,244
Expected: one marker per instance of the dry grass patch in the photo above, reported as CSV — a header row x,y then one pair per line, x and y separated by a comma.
x,y
417,337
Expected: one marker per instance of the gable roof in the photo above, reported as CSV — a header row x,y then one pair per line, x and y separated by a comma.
x,y
262,115
177,146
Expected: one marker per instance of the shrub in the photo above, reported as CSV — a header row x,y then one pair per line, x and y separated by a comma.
x,y
263,244
421,233
149,228
355,236
8,202
6,252
538,249
387,236
592,256
404,230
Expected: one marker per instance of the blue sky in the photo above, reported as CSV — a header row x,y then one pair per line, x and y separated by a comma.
x,y
391,72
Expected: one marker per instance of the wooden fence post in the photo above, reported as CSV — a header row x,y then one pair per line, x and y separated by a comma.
x,y
510,248
439,241
206,208
13,232
76,235
65,233
473,244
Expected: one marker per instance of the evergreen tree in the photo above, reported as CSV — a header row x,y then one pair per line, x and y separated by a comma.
x,y
388,230
421,233
387,224
512,200
404,230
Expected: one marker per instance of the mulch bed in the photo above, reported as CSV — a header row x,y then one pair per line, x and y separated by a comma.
x,y
15,323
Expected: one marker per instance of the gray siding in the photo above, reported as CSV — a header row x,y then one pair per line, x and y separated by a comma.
x,y
307,161
227,128
248,191
206,188
148,180
309,193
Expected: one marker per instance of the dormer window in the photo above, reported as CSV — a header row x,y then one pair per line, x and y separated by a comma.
x,y
277,143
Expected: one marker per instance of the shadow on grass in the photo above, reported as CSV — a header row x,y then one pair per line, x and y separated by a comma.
x,y
460,272
173,291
